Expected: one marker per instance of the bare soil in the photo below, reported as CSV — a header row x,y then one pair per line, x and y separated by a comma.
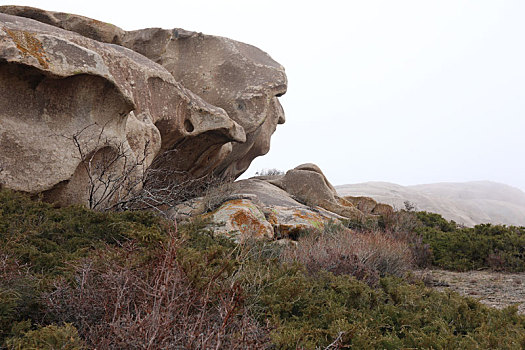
x,y
494,289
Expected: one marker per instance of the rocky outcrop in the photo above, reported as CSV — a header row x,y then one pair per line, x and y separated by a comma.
x,y
277,207
308,184
87,107
237,77
241,219
87,27
254,208
368,205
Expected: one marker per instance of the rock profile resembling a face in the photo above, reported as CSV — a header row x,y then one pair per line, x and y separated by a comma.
x,y
239,78
76,92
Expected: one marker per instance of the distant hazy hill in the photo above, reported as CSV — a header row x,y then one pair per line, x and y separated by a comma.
x,y
468,203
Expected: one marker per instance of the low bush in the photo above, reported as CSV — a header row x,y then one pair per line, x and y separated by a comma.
x,y
339,311
19,294
174,300
73,279
400,226
458,248
435,241
366,255
50,337
38,242
433,220
46,238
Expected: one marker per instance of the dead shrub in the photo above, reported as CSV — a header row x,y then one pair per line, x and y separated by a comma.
x,y
402,225
399,221
269,172
216,191
365,255
117,179
11,269
120,301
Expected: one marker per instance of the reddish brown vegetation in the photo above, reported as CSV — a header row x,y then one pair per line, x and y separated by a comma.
x,y
367,255
120,302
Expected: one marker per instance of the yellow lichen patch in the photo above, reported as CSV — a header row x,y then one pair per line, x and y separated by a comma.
x,y
248,224
29,45
240,219
235,203
271,217
313,219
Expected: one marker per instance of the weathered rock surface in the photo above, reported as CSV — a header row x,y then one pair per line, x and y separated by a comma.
x,y
237,77
309,185
278,207
58,95
88,27
282,216
240,219
72,103
369,206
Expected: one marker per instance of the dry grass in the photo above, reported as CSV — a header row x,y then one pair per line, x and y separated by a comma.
x,y
365,255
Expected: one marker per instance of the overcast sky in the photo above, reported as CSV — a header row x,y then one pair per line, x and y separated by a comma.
x,y
409,92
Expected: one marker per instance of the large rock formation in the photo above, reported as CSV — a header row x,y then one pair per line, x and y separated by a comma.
x,y
86,107
239,78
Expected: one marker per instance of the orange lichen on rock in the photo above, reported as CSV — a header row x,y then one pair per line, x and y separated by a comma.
x,y
241,219
271,217
248,224
29,45
294,221
312,218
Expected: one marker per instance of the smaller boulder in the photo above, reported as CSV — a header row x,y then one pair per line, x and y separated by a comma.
x,y
241,220
290,222
365,204
369,206
308,185
383,209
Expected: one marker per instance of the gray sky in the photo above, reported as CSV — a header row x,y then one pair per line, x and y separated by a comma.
x,y
408,92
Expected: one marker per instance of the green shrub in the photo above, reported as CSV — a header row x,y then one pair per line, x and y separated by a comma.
x,y
436,221
46,237
38,241
315,311
180,298
50,337
483,246
401,225
19,294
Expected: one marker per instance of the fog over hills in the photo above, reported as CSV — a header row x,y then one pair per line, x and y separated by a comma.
x,y
468,203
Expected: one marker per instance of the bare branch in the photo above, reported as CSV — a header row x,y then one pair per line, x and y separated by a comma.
x,y
118,179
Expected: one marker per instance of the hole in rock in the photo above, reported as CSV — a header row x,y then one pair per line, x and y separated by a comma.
x,y
188,126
